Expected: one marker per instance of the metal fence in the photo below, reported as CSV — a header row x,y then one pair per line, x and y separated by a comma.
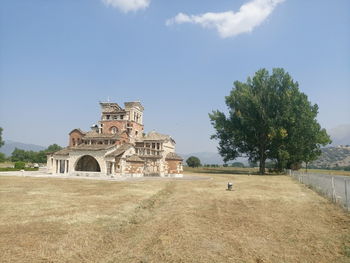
x,y
334,187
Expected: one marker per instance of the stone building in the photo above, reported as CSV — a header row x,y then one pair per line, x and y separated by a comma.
x,y
117,146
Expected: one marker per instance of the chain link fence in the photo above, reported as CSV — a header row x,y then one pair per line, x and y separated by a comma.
x,y
334,187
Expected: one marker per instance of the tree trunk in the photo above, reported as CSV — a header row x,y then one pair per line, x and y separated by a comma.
x,y
262,163
262,157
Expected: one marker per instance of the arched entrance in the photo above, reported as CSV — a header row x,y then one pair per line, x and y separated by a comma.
x,y
87,163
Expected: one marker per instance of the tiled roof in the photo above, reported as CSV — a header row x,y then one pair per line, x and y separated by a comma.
x,y
64,151
96,135
134,103
92,147
173,156
120,150
134,158
155,136
82,132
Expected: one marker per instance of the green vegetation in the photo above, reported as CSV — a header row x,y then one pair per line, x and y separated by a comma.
x,y
33,157
193,161
20,165
10,169
237,164
2,156
1,141
269,119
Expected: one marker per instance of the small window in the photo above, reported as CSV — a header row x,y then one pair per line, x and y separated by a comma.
x,y
107,117
121,117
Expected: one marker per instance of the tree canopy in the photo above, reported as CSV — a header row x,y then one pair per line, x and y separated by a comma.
x,y
33,157
193,161
1,141
269,118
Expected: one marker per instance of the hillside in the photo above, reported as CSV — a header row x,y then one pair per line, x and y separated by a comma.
x,y
333,157
9,146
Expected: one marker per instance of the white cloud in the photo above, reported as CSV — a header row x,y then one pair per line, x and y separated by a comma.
x,y
127,5
228,24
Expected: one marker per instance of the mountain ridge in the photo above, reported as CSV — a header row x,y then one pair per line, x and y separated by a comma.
x,y
10,146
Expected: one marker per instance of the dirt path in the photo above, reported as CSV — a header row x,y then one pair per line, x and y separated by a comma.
x,y
265,219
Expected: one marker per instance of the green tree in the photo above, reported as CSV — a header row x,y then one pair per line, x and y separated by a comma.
x,y
269,118
20,165
193,162
33,157
2,157
1,141
53,148
19,155
237,164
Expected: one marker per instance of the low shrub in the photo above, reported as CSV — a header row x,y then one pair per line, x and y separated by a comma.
x,y
10,169
20,165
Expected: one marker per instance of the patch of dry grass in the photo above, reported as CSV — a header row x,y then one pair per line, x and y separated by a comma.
x,y
265,219
324,171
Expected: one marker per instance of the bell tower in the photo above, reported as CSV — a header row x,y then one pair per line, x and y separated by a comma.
x,y
127,121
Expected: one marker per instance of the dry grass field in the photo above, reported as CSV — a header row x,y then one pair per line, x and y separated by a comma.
x,y
265,219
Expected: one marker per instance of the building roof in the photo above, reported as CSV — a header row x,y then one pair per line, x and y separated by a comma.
x,y
96,135
134,104
173,156
134,158
155,136
78,130
110,107
64,151
92,147
120,150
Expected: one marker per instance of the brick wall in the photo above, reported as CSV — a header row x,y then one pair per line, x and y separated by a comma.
x,y
134,167
107,125
75,138
174,166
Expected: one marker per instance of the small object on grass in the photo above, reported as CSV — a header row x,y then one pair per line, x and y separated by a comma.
x,y
229,186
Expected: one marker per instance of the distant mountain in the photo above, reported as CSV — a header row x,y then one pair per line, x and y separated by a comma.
x,y
333,157
340,135
9,146
210,158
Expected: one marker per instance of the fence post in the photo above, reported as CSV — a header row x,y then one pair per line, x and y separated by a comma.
x,y
333,190
346,195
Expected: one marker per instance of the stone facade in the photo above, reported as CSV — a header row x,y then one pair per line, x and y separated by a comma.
x,y
117,146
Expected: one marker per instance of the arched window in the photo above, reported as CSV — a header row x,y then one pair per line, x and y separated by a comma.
x,y
114,130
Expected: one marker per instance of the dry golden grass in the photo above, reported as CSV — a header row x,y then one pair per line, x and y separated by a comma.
x,y
324,171
265,219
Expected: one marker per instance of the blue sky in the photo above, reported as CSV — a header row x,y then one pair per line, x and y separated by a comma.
x,y
58,59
